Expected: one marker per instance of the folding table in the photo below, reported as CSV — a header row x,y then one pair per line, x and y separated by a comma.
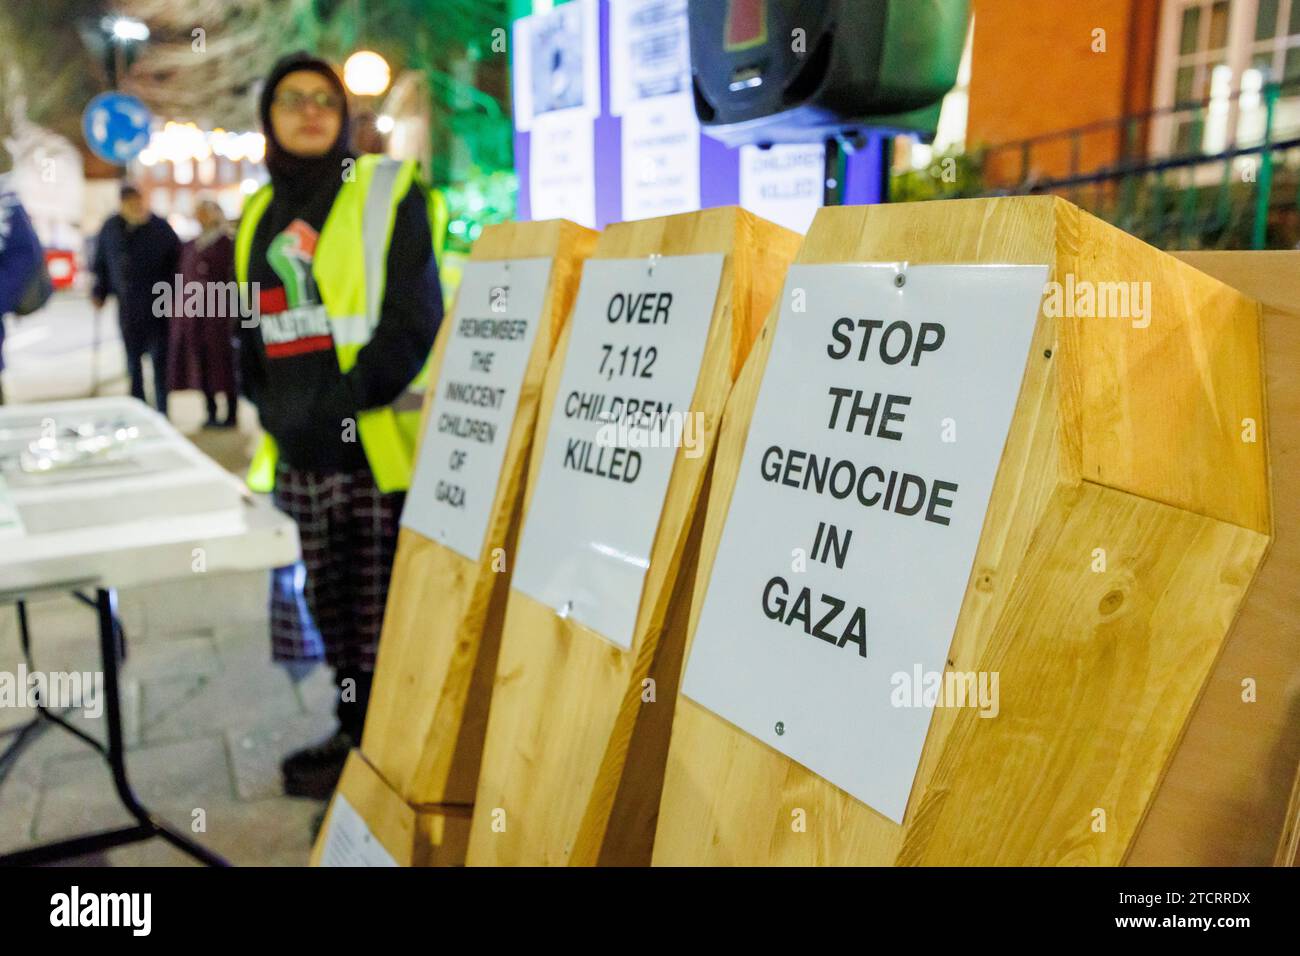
x,y
102,494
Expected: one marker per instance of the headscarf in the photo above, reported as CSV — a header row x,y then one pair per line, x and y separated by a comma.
x,y
294,176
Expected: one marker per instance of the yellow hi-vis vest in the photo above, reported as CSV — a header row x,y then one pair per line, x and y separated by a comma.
x,y
349,263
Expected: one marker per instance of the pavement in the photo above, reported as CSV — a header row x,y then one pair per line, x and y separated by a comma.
x,y
208,716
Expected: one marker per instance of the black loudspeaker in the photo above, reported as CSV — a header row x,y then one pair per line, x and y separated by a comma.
x,y
771,71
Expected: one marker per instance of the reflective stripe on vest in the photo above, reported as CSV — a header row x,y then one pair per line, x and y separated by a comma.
x,y
376,228
357,233
350,330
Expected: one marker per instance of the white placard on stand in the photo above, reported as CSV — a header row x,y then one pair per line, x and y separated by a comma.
x,y
562,168
853,525
661,158
650,88
621,415
556,66
785,183
498,311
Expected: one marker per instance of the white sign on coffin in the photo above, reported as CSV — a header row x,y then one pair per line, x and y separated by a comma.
x,y
866,474
498,309
621,416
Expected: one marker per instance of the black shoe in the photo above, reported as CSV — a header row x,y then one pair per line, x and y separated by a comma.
x,y
318,821
314,771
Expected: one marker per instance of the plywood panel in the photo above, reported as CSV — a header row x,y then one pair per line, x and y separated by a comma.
x,y
1070,476
438,648
1224,800
1115,658
386,814
1175,389
413,836
566,702
1288,845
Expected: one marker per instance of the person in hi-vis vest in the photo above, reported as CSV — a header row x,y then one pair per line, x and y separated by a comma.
x,y
336,254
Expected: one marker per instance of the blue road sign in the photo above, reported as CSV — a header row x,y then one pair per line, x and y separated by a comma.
x,y
116,127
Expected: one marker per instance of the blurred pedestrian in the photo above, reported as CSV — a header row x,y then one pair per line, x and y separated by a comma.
x,y
24,283
341,252
137,250
201,347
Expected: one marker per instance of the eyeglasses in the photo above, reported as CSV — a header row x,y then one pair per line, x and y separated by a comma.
x,y
295,101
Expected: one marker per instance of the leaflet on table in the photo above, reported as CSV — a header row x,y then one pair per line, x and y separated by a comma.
x,y
11,524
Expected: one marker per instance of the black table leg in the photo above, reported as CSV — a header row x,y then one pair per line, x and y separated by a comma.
x,y
148,825
106,600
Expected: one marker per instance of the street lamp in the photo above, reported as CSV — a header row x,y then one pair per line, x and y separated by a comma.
x,y
126,29
366,73
114,38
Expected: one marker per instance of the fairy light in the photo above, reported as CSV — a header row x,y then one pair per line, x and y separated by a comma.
x,y
178,143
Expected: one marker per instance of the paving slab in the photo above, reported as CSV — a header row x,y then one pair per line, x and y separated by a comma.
x,y
192,654
19,800
78,794
256,752
234,698
274,832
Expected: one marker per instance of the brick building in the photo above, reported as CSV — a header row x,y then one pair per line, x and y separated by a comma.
x,y
1040,67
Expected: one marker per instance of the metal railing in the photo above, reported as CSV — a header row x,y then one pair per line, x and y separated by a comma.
x,y
1213,188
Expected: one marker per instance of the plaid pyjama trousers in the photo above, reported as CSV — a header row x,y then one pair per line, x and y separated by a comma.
x,y
330,606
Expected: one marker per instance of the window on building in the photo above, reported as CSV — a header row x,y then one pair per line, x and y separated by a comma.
x,y
1275,52
1200,67
1274,58
1202,46
1216,61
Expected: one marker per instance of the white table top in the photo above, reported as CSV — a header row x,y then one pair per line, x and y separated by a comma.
x,y
137,520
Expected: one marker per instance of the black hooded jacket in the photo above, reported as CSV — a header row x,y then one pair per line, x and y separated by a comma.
x,y
129,262
290,369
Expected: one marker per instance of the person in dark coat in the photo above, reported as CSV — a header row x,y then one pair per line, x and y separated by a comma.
x,y
201,347
20,257
136,251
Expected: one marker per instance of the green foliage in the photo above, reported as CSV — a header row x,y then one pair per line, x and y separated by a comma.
x,y
950,175
456,45
482,198
1171,213
403,25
